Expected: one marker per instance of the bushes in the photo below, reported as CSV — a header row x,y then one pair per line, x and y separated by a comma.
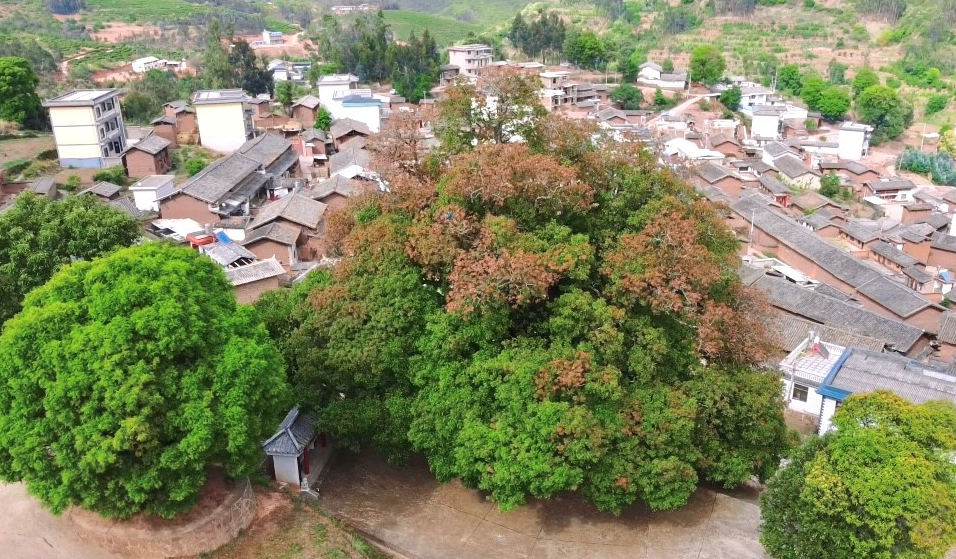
x,y
939,165
194,165
936,103
115,175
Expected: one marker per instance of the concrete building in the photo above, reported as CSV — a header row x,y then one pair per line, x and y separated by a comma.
x,y
364,109
334,87
470,59
854,140
272,37
147,63
223,120
766,122
804,370
653,74
148,192
88,128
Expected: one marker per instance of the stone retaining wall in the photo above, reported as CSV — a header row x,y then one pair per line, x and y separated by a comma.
x,y
199,536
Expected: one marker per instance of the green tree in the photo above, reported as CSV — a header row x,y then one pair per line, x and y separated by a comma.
x,y
790,79
194,165
667,65
558,314
19,101
285,94
38,235
660,100
830,185
323,119
883,107
836,72
142,372
217,71
707,64
629,97
937,103
585,48
813,86
833,103
865,78
730,98
879,486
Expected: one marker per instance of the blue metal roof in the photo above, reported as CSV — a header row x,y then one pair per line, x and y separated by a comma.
x,y
223,238
828,391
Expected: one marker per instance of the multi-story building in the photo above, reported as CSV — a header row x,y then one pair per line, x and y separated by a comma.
x,y
224,121
88,128
333,88
470,59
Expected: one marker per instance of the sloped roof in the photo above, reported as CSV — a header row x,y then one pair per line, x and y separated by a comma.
x,y
811,200
889,294
313,134
257,271
164,120
936,221
793,166
151,144
282,234
309,102
718,139
128,207
917,274
776,149
860,371
651,65
103,188
837,314
860,232
791,331
945,242
226,254
817,220
893,254
296,208
336,184
224,175
947,328
267,149
347,158
889,185
341,127
710,172
773,185
294,434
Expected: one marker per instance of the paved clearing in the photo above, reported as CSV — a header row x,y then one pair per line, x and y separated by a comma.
x,y
408,510
28,531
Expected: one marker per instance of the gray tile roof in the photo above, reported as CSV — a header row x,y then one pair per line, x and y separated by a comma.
x,y
214,183
830,291
711,172
776,149
296,208
282,234
127,206
811,200
838,314
651,65
337,184
180,106
45,186
151,144
309,102
791,330
894,255
257,271
936,221
756,164
773,185
860,371
919,207
889,294
349,157
793,166
947,328
294,434
343,126
718,139
890,185
945,242
267,150
817,220
917,274
860,232
103,188
163,120
227,254
313,134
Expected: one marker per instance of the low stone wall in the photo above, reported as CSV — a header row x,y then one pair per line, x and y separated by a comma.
x,y
204,534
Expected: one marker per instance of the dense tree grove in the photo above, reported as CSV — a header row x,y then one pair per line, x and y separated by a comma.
x,y
628,97
128,376
883,107
19,101
558,314
881,485
707,64
538,37
38,235
585,48
365,47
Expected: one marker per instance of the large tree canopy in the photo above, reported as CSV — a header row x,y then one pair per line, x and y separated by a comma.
x,y
881,485
127,376
883,107
38,235
19,101
554,315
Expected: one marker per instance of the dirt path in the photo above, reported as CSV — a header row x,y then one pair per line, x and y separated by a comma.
x,y
676,111
408,510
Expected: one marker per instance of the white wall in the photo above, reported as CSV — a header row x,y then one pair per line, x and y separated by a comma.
x,y
370,115
826,418
765,126
327,95
222,127
287,469
851,144
649,74
810,407
147,199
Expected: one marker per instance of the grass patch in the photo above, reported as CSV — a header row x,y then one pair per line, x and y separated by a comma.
x,y
132,11
445,30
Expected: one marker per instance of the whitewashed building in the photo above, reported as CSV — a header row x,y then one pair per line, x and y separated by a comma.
x,y
854,140
223,119
470,59
88,128
148,192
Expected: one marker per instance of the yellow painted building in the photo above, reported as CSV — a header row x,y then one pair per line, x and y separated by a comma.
x,y
88,128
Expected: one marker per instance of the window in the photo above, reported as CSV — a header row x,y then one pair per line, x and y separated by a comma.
x,y
97,111
800,392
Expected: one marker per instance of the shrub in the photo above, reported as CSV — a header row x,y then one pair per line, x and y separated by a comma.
x,y
115,175
72,182
194,165
936,103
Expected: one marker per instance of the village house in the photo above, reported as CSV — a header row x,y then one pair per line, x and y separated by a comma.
x,y
775,189
837,312
88,128
810,201
346,129
316,146
334,192
149,156
854,140
150,191
795,172
251,280
856,173
719,177
859,371
727,145
350,163
804,370
363,108
652,74
890,189
277,241
305,109
105,191
223,119
751,96
227,253
297,453
765,124
823,223
942,251
332,88
296,211
470,59
824,262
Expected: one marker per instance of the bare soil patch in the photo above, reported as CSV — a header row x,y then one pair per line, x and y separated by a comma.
x,y
295,45
19,148
117,32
